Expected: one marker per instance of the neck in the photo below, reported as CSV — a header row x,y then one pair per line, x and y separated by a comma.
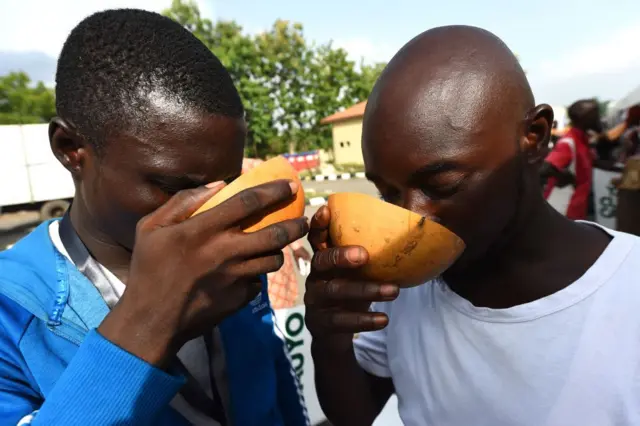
x,y
542,254
100,245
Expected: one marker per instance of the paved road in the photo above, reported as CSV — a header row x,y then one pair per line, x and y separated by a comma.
x,y
351,185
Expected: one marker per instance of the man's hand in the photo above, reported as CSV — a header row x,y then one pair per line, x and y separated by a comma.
x,y
337,306
189,273
565,178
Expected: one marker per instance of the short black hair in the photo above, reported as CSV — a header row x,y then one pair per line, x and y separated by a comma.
x,y
113,61
577,109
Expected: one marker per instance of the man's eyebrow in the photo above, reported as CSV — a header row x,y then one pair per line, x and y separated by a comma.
x,y
424,171
434,169
181,181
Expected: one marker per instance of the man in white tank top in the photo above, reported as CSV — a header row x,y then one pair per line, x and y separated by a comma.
x,y
536,324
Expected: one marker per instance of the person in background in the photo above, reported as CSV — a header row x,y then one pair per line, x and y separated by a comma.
x,y
128,311
283,283
570,164
631,136
555,134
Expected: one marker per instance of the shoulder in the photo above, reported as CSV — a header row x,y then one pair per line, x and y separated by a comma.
x,y
564,146
29,273
619,264
14,321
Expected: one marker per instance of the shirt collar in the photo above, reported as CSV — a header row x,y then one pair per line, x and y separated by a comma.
x,y
578,135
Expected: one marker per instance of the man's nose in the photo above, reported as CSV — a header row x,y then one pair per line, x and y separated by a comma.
x,y
417,202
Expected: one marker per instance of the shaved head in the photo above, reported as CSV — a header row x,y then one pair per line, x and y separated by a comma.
x,y
451,132
455,73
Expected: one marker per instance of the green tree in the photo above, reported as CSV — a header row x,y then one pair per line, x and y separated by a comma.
x,y
23,103
287,84
239,54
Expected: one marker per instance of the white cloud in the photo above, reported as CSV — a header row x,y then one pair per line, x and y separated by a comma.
x,y
362,47
23,30
608,68
617,53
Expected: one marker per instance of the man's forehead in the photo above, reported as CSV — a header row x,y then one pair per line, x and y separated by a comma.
x,y
432,133
183,147
442,99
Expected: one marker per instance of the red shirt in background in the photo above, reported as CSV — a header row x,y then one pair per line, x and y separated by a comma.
x,y
560,157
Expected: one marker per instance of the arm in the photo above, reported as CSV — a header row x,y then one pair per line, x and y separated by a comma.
x,y
348,394
102,385
556,164
353,383
613,134
19,397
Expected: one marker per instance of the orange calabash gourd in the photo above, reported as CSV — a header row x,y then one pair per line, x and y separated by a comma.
x,y
404,248
273,169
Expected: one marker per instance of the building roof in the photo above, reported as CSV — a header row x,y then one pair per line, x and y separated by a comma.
x,y
355,111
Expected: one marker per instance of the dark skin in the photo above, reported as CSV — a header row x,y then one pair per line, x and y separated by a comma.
x,y
466,114
588,120
132,210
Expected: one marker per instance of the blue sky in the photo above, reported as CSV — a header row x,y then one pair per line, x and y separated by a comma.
x,y
570,48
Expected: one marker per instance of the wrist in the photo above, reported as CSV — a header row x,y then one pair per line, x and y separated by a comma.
x,y
136,332
334,345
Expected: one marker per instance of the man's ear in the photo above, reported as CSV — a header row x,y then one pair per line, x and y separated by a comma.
x,y
537,133
68,147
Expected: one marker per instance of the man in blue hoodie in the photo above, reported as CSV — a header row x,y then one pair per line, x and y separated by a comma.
x,y
128,311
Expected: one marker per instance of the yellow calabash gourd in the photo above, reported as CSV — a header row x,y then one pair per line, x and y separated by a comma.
x,y
404,247
273,169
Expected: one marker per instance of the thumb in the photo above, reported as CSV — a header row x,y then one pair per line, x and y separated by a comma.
x,y
319,229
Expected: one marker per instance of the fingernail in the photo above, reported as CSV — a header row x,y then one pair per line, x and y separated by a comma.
x,y
388,290
214,184
294,186
354,255
380,320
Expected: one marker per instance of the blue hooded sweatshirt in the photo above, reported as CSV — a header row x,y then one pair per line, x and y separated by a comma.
x,y
56,369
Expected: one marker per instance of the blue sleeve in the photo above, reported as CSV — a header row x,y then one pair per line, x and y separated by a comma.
x,y
18,397
102,385
105,385
290,397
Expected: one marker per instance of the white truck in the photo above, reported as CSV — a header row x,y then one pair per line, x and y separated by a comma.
x,y
31,178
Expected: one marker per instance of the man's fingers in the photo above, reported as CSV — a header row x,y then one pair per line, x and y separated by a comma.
x,y
258,266
340,258
272,238
345,291
319,231
181,206
258,200
345,322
